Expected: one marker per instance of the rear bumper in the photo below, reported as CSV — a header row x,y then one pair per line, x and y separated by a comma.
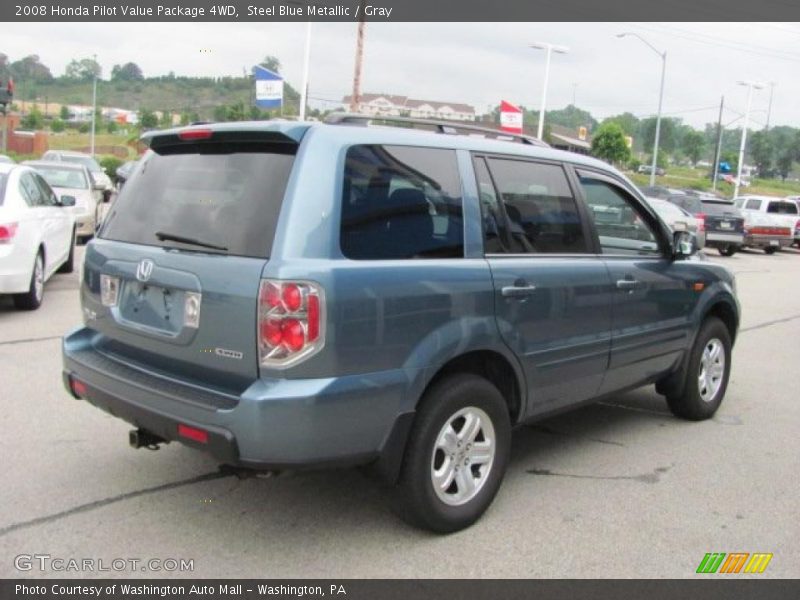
x,y
764,241
273,424
723,239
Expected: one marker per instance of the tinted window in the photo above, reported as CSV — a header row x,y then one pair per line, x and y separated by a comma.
x,y
48,195
401,202
719,208
617,219
495,233
30,191
542,213
782,208
226,196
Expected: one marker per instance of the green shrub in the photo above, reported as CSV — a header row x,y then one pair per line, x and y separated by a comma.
x,y
110,164
57,126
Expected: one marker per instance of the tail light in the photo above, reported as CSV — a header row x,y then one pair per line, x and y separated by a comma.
x,y
7,232
109,290
291,322
797,225
701,222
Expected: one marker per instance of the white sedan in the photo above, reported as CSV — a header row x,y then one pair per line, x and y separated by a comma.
x,y
37,234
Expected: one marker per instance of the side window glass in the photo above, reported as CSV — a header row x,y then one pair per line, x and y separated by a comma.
x,y
616,218
542,213
47,194
753,204
401,202
30,191
495,233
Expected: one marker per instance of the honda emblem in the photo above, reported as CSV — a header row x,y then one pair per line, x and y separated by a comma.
x,y
144,270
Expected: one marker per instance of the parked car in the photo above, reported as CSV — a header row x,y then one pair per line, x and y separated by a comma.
x,y
6,159
75,180
659,191
124,171
286,295
647,169
722,223
770,222
98,173
37,234
678,219
796,200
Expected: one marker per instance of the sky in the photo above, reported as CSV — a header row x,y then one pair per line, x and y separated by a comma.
x,y
473,63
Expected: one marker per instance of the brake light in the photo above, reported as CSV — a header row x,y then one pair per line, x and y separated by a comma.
x,y
780,231
193,433
78,388
109,290
291,322
7,232
701,221
195,134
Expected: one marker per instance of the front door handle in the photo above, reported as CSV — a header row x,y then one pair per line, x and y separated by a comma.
x,y
627,284
518,291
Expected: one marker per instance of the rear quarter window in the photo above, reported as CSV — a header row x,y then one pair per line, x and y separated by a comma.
x,y
401,202
782,208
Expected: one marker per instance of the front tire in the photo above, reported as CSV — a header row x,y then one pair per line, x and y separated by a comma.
x,y
707,374
32,299
456,455
727,250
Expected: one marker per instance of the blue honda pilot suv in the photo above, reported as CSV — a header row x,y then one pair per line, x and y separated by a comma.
x,y
286,295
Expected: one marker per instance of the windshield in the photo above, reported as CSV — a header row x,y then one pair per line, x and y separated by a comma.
x,y
223,197
86,161
64,178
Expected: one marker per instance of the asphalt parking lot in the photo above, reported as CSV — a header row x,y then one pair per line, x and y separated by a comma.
x,y
617,489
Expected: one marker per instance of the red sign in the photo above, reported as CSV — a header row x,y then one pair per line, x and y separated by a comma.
x,y
510,117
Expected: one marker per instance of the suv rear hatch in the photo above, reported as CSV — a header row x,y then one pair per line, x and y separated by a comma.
x,y
721,217
172,282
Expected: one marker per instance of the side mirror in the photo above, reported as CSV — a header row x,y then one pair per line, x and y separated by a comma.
x,y
67,201
684,244
98,187
680,226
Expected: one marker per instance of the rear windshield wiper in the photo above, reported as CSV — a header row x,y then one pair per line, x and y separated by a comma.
x,y
163,236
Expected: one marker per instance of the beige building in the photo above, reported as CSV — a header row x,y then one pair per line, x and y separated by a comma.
x,y
402,106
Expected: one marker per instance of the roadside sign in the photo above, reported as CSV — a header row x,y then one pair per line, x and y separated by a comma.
x,y
269,88
510,117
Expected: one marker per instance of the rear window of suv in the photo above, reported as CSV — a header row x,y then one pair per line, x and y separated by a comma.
x,y
224,196
711,207
782,208
401,202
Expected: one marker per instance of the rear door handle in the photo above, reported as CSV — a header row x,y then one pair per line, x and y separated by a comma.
x,y
518,291
627,284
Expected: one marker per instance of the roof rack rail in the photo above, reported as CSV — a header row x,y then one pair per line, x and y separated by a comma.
x,y
438,126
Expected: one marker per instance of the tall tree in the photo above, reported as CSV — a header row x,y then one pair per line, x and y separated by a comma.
x,y
693,144
761,151
30,69
609,144
84,69
271,63
128,72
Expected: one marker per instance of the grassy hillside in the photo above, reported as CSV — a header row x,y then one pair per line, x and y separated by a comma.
x,y
173,94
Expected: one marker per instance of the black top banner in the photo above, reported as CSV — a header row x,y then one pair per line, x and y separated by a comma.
x,y
400,10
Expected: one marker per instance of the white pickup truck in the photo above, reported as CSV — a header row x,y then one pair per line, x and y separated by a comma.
x,y
769,222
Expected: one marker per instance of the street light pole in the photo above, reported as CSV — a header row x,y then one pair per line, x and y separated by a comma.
x,y
751,85
306,60
663,56
94,106
549,49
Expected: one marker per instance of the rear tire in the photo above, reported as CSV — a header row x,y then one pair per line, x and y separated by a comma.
x,y
32,299
727,250
707,374
456,455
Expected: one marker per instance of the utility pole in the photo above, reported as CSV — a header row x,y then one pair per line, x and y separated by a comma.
x,y
718,150
769,109
306,61
750,87
94,105
549,49
355,98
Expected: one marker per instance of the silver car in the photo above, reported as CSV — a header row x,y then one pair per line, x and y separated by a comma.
x,y
678,219
98,173
75,180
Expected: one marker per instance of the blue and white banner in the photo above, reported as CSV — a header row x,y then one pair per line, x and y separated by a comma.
x,y
269,88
